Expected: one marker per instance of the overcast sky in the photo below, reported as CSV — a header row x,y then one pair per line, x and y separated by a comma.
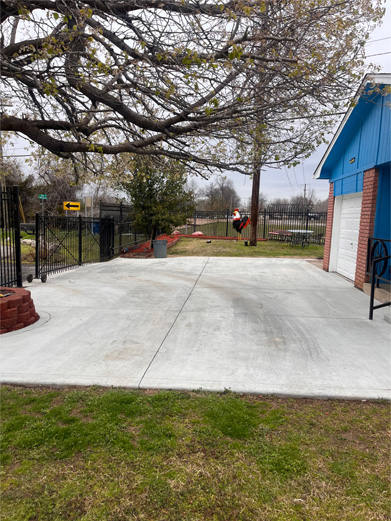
x,y
288,182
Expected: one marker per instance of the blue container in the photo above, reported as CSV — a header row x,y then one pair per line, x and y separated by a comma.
x,y
95,227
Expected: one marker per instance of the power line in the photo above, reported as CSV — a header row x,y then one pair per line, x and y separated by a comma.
x,y
379,40
294,173
286,171
379,54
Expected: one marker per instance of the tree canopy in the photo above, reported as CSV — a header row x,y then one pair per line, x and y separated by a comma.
x,y
187,79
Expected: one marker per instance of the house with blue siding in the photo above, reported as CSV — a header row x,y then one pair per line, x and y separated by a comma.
x,y
357,164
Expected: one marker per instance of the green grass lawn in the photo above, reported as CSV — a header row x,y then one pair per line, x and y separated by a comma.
x,y
113,455
223,248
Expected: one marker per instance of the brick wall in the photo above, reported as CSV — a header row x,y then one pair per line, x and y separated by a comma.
x,y
329,228
17,310
367,223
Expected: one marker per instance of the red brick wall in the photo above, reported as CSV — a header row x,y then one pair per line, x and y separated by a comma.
x,y
329,229
367,223
16,310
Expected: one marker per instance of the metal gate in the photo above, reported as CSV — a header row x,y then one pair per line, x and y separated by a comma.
x,y
10,250
66,242
126,235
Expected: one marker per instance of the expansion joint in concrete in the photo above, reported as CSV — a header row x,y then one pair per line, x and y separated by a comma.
x,y
173,323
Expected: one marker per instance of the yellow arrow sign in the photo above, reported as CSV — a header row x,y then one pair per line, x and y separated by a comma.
x,y
69,205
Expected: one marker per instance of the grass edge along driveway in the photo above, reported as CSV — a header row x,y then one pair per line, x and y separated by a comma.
x,y
231,248
113,455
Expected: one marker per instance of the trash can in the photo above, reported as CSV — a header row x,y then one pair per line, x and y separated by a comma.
x,y
160,249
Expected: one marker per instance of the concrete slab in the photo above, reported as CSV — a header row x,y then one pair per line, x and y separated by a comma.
x,y
279,326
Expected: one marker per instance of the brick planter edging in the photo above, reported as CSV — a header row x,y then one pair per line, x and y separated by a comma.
x,y
16,310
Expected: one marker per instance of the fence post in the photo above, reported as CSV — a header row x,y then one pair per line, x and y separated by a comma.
x,y
80,242
306,224
37,245
18,251
226,231
120,228
195,221
264,223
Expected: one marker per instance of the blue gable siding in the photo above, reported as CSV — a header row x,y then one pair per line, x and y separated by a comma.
x,y
371,131
384,154
352,156
364,143
349,185
338,188
383,215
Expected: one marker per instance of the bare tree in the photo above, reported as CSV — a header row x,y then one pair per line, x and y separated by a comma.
x,y
220,195
280,200
191,80
321,205
307,200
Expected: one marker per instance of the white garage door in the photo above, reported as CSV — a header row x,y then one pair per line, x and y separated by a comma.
x,y
348,235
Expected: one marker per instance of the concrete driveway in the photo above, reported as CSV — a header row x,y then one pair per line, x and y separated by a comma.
x,y
279,326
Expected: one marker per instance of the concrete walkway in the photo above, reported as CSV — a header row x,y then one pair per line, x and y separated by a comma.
x,y
280,326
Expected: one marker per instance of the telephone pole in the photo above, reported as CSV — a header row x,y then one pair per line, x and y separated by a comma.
x,y
255,205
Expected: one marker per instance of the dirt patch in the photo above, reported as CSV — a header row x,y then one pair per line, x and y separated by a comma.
x,y
316,262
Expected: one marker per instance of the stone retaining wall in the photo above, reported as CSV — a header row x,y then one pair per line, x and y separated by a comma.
x,y
17,309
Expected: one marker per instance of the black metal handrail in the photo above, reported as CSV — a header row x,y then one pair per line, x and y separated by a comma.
x,y
377,248
378,261
375,279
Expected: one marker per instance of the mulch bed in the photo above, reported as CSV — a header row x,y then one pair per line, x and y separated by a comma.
x,y
144,250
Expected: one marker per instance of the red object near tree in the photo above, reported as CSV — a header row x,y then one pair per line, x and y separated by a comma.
x,y
240,223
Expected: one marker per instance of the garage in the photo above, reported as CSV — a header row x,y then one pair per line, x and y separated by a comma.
x,y
357,164
345,234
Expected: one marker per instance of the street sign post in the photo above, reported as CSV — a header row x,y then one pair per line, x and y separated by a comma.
x,y
69,205
42,197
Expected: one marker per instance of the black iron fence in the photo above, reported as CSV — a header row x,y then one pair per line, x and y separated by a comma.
x,y
276,222
10,252
61,242
126,235
378,268
66,242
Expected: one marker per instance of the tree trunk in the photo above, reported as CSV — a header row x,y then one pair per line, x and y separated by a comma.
x,y
153,236
254,206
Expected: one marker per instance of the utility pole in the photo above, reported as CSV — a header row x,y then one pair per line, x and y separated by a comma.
x,y
305,192
255,204
258,157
